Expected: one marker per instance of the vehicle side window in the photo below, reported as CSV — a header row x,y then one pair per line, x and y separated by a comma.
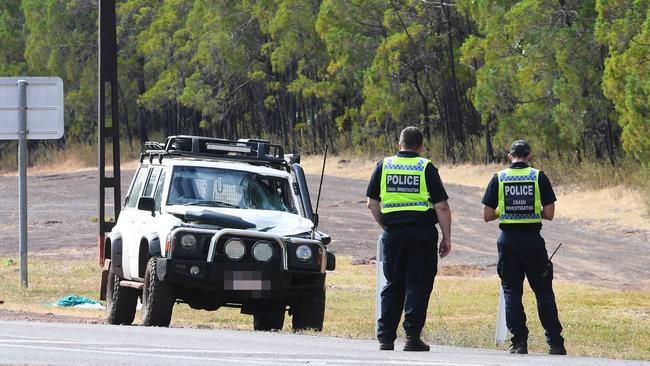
x,y
159,190
138,183
151,183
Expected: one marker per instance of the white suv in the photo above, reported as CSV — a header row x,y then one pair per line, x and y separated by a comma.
x,y
211,223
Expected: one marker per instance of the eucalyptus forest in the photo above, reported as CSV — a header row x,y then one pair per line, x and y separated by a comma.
x,y
571,76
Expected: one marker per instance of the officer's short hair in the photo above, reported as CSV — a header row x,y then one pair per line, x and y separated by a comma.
x,y
411,138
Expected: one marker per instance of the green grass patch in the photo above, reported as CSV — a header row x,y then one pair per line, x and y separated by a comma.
x,y
462,311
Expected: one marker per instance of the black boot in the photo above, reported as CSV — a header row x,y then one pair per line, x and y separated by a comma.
x,y
557,349
520,348
386,346
415,344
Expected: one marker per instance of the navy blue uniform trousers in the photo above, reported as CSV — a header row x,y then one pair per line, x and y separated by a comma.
x,y
523,253
410,266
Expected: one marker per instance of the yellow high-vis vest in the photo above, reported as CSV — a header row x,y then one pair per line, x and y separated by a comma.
x,y
403,185
519,196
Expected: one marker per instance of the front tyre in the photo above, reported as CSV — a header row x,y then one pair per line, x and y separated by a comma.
x,y
309,311
121,302
157,298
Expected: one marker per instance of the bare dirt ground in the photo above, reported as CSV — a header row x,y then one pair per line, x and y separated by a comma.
x,y
62,209
47,317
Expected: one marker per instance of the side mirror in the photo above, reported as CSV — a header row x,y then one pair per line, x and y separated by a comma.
x,y
147,204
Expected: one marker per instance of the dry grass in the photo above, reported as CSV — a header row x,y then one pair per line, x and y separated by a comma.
x,y
345,167
51,159
468,175
586,193
72,167
77,157
620,205
462,310
362,167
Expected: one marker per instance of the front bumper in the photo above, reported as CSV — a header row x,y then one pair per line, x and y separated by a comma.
x,y
214,275
234,281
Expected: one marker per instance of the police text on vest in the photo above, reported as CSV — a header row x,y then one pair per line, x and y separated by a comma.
x,y
519,190
403,183
519,197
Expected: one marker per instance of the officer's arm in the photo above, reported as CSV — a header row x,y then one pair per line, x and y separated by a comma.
x,y
490,200
489,213
444,218
547,197
373,206
548,211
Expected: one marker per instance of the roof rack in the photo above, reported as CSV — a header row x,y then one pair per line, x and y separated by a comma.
x,y
153,145
252,151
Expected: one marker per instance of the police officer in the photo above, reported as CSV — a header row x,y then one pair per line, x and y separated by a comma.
x,y
407,199
520,197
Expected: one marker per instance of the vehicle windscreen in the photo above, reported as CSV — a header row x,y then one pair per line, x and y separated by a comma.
x,y
215,187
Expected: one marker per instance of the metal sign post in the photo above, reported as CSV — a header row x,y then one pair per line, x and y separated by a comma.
x,y
42,98
22,180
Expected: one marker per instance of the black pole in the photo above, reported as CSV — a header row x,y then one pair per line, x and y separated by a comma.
x,y
107,59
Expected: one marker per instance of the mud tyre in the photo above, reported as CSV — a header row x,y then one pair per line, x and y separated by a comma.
x,y
269,317
121,302
157,298
309,311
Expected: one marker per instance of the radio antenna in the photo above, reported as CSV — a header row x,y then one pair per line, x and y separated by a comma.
x,y
555,251
320,186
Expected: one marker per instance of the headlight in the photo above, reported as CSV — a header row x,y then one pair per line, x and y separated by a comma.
x,y
235,249
303,253
188,242
262,251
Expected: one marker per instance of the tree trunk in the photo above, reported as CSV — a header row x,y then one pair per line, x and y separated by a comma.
x,y
455,103
489,149
141,112
423,98
125,115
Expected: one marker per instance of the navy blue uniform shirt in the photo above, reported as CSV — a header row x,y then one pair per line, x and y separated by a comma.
x,y
436,190
491,197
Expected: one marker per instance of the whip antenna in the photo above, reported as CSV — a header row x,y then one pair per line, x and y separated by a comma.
x,y
555,251
320,186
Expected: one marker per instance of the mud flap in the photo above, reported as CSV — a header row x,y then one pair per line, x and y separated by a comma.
x,y
100,250
102,289
331,261
247,309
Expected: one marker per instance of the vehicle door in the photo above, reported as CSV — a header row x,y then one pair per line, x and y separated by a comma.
x,y
161,226
143,221
128,227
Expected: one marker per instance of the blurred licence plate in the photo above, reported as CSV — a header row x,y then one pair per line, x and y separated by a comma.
x,y
245,281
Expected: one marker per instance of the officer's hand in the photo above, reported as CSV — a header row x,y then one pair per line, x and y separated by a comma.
x,y
445,247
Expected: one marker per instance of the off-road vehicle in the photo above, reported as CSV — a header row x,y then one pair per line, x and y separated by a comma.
x,y
217,223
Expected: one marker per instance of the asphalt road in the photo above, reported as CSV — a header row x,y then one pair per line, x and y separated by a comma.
x,y
32,343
